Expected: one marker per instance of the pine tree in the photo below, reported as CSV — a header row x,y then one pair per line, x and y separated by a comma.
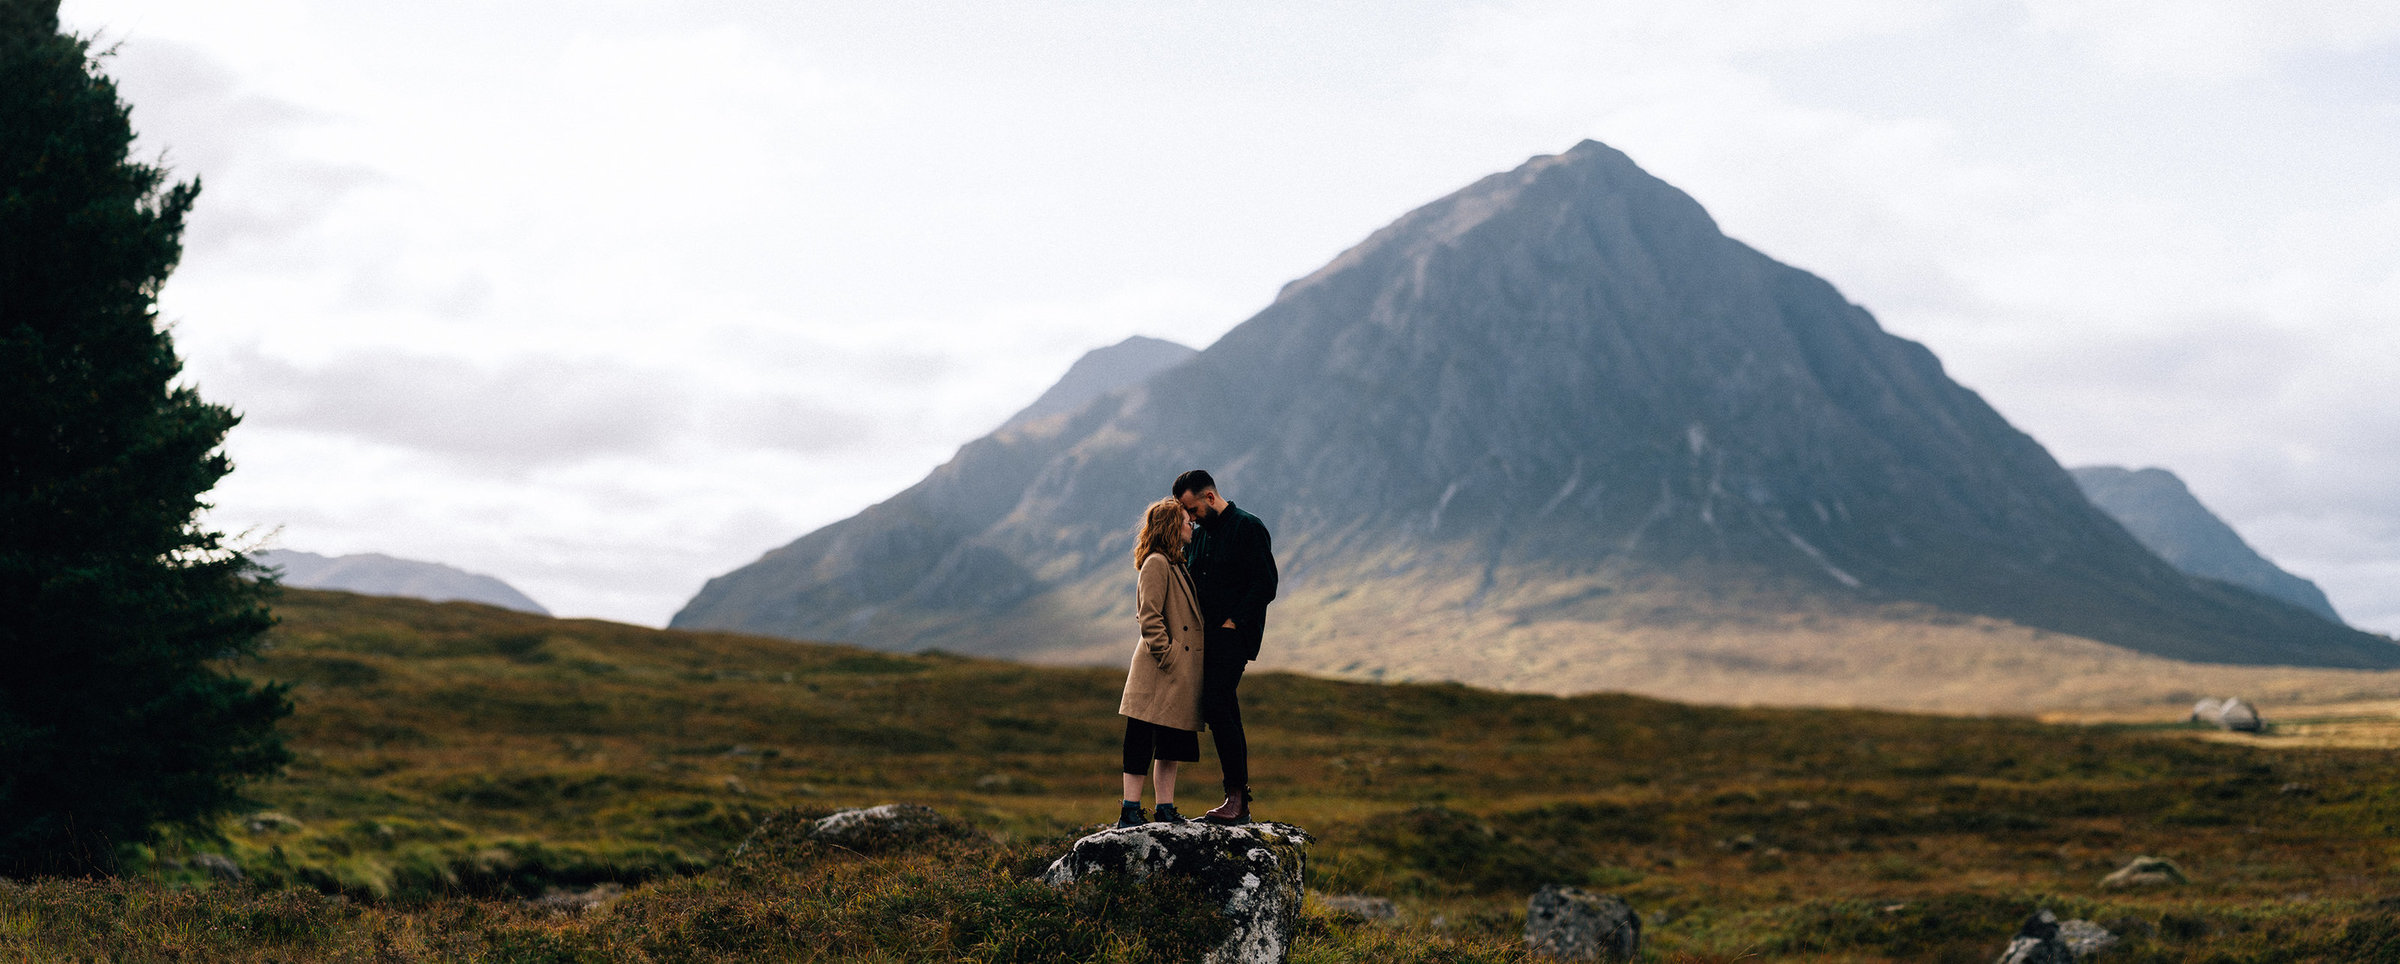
x,y
119,613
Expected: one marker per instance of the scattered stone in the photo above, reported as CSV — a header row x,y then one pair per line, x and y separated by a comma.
x,y
2298,790
735,786
1374,910
2207,710
559,900
2145,872
2084,938
1252,872
219,866
2047,940
877,826
1572,924
2239,716
268,821
868,830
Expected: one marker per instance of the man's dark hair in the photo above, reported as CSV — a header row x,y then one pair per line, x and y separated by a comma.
x,y
1193,481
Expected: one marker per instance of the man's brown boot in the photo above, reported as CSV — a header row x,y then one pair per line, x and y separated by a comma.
x,y
1235,809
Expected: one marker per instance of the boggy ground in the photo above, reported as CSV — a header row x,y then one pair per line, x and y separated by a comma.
x,y
455,760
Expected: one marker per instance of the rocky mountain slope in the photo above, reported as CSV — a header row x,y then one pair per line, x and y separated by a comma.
x,y
376,574
1550,430
2167,518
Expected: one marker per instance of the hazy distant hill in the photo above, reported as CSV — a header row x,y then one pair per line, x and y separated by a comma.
x,y
1104,370
377,574
1557,431
2155,506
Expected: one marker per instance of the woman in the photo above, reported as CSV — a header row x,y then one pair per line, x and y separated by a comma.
x,y
1162,688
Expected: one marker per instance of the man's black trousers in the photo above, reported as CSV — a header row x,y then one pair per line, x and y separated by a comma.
x,y
1221,709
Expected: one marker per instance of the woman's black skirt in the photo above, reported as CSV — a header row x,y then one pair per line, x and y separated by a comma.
x,y
1146,741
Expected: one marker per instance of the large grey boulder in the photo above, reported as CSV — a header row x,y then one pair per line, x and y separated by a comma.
x,y
2238,715
1572,924
1252,873
2145,872
2230,713
2047,940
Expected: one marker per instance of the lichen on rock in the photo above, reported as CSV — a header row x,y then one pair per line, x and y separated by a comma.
x,y
1252,873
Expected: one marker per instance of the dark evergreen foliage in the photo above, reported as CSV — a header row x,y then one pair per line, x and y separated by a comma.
x,y
118,612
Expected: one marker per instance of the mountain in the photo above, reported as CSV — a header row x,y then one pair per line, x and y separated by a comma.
x,y
2155,506
1555,430
1104,370
376,574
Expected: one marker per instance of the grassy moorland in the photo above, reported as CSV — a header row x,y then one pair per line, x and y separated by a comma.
x,y
456,763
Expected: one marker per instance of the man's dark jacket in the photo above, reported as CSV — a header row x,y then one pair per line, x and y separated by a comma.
x,y
1233,567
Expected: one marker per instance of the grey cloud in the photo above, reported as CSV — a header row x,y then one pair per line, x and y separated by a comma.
x,y
194,114
524,413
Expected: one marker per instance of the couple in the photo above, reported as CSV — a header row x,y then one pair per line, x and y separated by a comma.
x,y
1207,574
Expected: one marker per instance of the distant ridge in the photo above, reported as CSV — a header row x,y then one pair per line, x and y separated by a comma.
x,y
1550,430
1104,370
2162,512
376,574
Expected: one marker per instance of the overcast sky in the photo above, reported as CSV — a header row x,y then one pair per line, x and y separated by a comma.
x,y
608,297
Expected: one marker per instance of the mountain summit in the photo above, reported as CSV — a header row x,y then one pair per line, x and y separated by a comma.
x,y
1524,426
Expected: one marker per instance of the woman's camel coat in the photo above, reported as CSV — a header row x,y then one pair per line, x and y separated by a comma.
x,y
1163,684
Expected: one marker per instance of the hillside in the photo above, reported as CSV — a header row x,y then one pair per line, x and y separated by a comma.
x,y
1552,431
377,574
2159,510
453,758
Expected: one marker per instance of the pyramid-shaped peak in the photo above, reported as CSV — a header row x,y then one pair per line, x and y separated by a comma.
x,y
1559,371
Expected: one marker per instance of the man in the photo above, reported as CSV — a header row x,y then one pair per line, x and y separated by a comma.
x,y
1233,567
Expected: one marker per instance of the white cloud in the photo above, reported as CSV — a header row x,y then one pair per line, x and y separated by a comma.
x,y
609,298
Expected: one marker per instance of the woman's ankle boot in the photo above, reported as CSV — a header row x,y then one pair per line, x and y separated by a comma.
x,y
1129,814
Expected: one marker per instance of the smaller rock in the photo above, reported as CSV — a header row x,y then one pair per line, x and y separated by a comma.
x,y
2238,716
1374,910
559,900
735,786
2207,710
2044,939
877,826
2297,790
1572,924
2145,872
219,866
2085,938
268,821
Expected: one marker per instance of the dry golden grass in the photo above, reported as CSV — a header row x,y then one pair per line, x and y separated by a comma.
x,y
1657,636
456,759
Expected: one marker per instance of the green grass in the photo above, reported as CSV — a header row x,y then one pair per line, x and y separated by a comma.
x,y
454,760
